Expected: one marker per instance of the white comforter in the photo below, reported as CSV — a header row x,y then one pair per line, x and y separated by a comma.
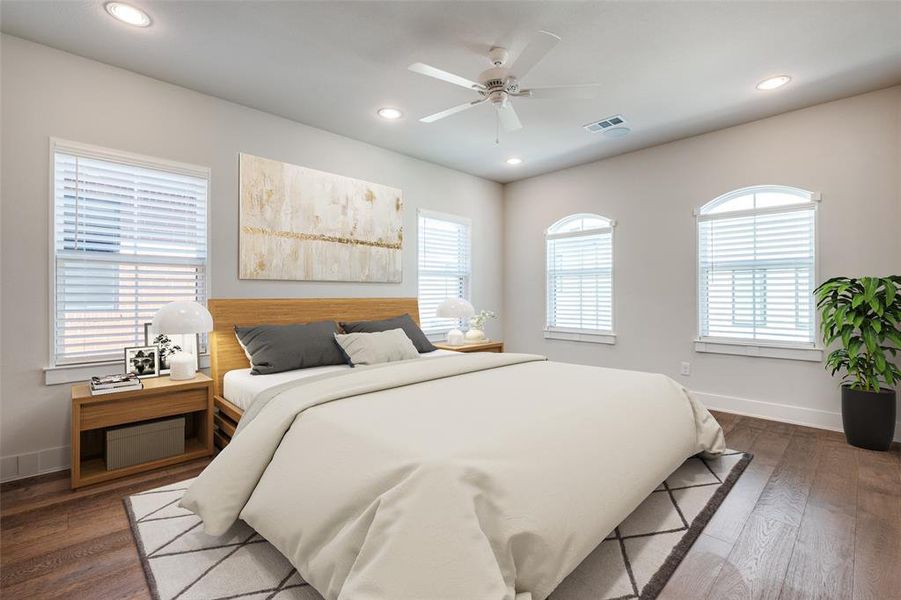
x,y
471,477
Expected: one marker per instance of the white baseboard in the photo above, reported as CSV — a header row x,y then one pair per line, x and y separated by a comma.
x,y
773,411
34,463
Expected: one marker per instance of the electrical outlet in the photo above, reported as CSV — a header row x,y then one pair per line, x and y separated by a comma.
x,y
685,369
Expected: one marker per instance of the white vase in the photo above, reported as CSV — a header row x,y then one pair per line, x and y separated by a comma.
x,y
181,366
474,335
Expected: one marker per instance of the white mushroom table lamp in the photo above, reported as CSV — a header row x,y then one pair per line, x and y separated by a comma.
x,y
187,317
455,308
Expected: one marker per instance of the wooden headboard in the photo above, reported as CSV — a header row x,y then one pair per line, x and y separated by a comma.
x,y
226,353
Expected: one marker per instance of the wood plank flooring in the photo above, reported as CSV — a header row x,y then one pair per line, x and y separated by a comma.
x,y
811,518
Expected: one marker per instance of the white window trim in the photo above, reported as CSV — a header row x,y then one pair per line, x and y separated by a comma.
x,y
579,335
443,216
757,348
804,352
574,334
72,372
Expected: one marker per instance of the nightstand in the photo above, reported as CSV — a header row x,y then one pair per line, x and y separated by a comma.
x,y
489,346
161,397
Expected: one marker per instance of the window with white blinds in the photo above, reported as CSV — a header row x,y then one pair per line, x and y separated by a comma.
x,y
444,267
129,235
580,274
756,266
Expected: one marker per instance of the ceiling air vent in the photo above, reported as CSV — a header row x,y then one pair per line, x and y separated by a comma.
x,y
614,126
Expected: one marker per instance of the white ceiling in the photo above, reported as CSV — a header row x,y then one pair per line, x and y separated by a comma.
x,y
673,69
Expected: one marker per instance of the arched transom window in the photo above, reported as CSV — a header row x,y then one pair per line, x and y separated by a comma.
x,y
756,266
580,275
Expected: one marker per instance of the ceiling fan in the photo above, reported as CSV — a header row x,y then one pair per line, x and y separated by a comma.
x,y
499,84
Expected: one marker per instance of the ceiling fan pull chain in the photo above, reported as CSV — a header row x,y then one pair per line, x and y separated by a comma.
x,y
497,129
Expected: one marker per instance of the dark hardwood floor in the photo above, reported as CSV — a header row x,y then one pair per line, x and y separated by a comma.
x,y
811,518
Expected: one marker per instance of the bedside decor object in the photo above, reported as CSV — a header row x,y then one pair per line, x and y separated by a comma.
x,y
300,224
134,444
863,316
143,361
112,384
185,317
455,308
476,331
170,343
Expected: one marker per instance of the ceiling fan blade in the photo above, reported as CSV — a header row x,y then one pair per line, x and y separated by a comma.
x,y
509,118
451,111
585,91
540,45
430,71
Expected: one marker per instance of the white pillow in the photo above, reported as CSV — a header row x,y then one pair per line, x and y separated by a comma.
x,y
379,347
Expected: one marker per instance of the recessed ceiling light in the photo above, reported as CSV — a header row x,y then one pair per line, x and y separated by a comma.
x,y
514,161
773,82
392,114
128,14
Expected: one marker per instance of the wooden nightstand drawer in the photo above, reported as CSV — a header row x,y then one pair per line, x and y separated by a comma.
x,y
130,410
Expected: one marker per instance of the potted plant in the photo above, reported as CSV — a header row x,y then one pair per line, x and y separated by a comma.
x,y
476,331
864,317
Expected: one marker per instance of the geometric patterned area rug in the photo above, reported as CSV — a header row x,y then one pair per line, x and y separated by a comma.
x,y
634,561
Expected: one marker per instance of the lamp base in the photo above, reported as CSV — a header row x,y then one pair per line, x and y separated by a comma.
x,y
455,337
181,366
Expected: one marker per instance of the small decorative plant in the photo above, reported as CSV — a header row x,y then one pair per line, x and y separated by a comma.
x,y
865,316
479,320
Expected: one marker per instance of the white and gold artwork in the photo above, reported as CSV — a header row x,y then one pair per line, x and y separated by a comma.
x,y
306,225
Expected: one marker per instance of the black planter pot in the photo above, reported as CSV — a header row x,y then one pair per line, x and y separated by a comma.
x,y
868,418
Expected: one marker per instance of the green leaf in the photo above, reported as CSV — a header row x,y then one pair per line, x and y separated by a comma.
x,y
870,284
876,306
889,286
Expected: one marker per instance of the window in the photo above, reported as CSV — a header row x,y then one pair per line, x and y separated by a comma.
x,y
444,267
129,235
580,279
756,267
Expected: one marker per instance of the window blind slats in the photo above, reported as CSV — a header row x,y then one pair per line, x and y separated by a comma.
x,y
128,240
580,276
444,268
756,273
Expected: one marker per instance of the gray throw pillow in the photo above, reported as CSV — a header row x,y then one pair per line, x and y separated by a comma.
x,y
375,348
405,322
278,348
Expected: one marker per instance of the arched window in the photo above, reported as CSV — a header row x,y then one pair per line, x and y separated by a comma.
x,y
580,278
756,266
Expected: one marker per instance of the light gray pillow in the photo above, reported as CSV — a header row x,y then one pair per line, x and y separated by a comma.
x,y
378,347
404,321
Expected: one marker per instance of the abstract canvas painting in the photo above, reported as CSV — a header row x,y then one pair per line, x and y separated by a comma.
x,y
306,225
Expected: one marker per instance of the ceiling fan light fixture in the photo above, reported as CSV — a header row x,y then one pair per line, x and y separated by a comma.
x,y
127,14
513,161
389,113
771,83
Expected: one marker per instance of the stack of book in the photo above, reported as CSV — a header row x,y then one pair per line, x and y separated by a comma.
x,y
113,384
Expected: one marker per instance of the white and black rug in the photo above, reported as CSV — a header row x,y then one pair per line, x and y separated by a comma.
x,y
635,561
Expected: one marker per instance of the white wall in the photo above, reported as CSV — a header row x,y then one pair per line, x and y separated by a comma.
x,y
47,93
849,151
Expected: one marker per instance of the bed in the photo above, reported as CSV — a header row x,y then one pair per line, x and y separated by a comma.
x,y
231,398
465,476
